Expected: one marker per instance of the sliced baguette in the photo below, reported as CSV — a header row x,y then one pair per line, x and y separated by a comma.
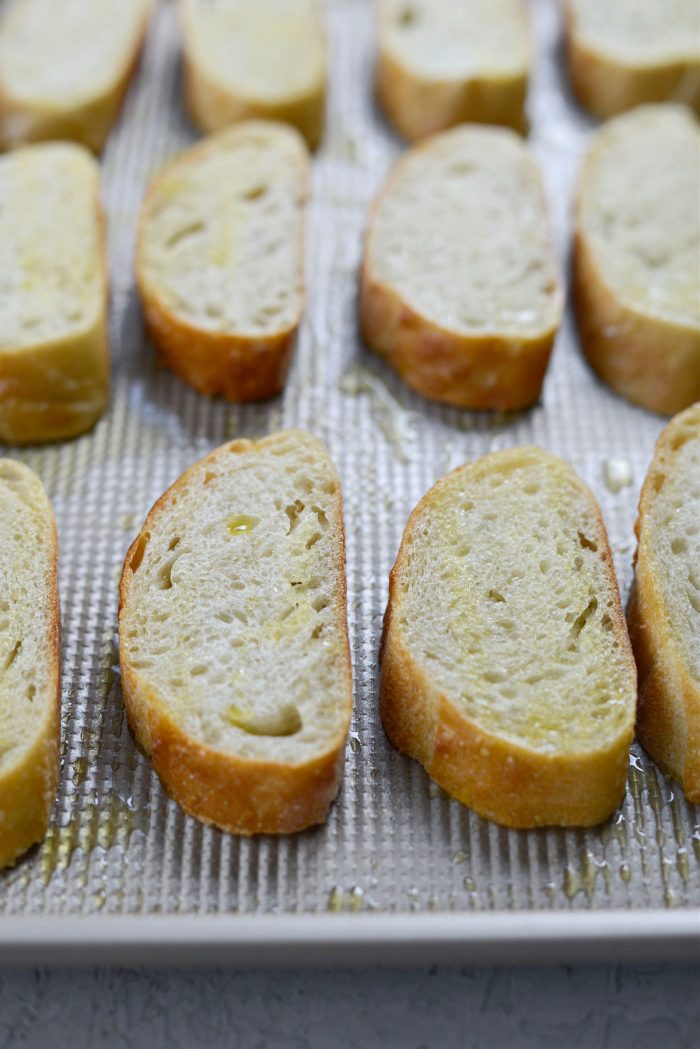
x,y
637,257
459,289
65,66
630,52
54,355
507,669
233,636
446,62
664,613
220,265
264,60
29,661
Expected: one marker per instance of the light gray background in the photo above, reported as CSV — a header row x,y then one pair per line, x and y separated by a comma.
x,y
603,1007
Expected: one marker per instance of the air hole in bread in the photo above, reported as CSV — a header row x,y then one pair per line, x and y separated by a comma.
x,y
208,477
139,551
198,670
495,595
293,512
316,632
255,192
408,16
165,575
321,516
313,540
12,655
173,542
581,620
606,622
531,489
544,567
586,543
183,234
679,545
320,603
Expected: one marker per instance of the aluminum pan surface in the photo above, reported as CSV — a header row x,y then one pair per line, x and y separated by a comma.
x,y
393,841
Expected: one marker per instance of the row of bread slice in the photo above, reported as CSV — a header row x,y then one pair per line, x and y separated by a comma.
x,y
460,290
64,67
507,669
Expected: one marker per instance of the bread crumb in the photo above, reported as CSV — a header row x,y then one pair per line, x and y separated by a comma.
x,y
617,474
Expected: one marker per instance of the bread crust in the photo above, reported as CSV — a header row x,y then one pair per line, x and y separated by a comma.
x,y
88,124
606,86
500,779
651,360
668,711
28,788
481,372
59,388
238,795
418,106
236,366
211,106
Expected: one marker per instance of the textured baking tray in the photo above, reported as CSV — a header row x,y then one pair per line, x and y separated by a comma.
x,y
412,873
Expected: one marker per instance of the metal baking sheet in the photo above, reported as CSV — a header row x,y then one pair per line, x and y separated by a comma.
x,y
394,843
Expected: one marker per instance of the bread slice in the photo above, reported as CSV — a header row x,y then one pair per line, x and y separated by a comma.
x,y
233,636
664,613
220,264
65,66
446,62
263,60
636,257
459,289
54,354
29,661
631,52
507,669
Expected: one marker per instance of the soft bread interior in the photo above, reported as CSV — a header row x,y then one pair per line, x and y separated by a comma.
x,y
640,207
643,32
450,39
59,53
27,673
672,533
268,51
222,231
235,614
52,281
507,604
461,234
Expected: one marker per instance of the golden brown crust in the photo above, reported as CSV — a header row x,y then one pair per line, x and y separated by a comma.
x,y
238,367
607,87
28,790
652,362
501,780
239,795
668,712
88,125
480,372
417,107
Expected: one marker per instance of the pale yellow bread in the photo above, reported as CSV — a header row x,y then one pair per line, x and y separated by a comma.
x,y
506,666
637,256
220,264
630,52
664,613
233,636
54,353
446,62
262,60
65,66
29,661
459,289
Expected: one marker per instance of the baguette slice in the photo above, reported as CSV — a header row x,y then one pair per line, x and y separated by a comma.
x,y
29,661
507,669
65,66
637,257
54,354
220,264
664,613
459,289
265,59
446,62
234,645
631,52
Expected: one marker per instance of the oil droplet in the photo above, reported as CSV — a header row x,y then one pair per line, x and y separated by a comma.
x,y
99,899
433,903
683,864
460,857
339,900
128,522
81,766
395,423
695,838
336,899
670,898
432,790
625,871
572,882
241,523
355,742
469,884
617,474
